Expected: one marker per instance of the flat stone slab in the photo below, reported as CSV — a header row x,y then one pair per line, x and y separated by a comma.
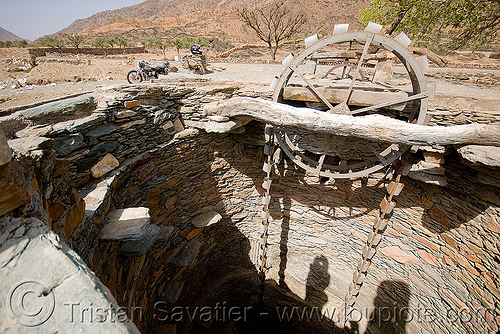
x,y
428,167
216,127
5,151
24,145
481,155
101,131
187,255
172,291
397,254
12,187
141,246
206,219
437,180
44,285
125,224
59,110
69,144
97,201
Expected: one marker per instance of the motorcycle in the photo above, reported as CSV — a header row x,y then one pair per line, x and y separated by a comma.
x,y
195,62
145,71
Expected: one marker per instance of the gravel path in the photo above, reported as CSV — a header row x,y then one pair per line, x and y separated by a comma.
x,y
106,72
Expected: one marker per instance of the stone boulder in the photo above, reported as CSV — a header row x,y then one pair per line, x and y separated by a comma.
x,y
104,166
38,272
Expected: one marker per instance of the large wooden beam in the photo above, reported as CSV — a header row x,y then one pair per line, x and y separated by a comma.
x,y
360,98
351,55
371,127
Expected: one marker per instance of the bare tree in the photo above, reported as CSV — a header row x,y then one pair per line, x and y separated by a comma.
x,y
273,23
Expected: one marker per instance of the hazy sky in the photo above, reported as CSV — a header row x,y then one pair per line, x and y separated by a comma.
x,y
31,19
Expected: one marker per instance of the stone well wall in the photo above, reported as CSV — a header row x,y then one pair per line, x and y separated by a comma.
x,y
196,241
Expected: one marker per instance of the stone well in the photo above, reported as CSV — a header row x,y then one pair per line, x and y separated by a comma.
x,y
120,200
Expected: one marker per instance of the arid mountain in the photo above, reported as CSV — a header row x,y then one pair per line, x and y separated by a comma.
x,y
207,18
6,35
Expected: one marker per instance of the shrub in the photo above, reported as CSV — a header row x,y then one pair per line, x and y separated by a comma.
x,y
32,61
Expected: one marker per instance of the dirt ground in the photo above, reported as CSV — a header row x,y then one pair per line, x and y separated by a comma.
x,y
476,81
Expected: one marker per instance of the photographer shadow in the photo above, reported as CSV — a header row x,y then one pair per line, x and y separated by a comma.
x,y
390,308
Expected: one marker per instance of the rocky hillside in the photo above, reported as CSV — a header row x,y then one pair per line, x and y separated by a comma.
x,y
6,35
208,18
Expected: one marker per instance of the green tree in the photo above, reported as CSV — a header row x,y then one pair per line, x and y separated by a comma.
x,y
75,40
110,42
178,45
99,43
2,44
273,23
8,44
187,41
120,41
22,44
146,42
162,46
54,42
456,23
201,40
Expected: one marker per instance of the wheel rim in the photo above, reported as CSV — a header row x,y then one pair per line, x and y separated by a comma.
x,y
134,77
319,159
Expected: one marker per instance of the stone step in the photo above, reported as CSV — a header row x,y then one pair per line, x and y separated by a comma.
x,y
98,199
126,224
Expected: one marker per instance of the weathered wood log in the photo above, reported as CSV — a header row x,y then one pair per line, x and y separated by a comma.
x,y
430,55
360,98
334,55
351,55
371,127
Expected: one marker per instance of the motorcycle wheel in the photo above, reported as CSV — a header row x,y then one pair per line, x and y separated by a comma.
x,y
202,68
134,77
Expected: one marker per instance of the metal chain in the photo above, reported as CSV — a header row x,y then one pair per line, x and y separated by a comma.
x,y
380,224
266,199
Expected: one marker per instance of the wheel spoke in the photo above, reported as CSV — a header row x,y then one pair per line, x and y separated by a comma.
x,y
322,158
383,160
358,67
311,86
386,104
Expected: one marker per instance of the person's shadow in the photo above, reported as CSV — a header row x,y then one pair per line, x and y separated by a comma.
x,y
317,282
390,308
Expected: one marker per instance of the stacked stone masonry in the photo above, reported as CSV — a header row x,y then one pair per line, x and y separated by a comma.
x,y
200,195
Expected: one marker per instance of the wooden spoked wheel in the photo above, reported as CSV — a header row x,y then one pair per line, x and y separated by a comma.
x,y
384,78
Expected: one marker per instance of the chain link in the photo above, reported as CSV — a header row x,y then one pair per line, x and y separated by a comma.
x,y
380,224
266,199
